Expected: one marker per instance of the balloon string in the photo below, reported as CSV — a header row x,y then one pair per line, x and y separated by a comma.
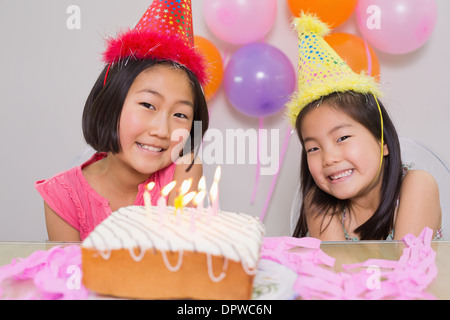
x,y
275,177
258,161
225,57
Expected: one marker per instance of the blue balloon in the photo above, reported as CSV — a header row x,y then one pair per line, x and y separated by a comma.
x,y
259,80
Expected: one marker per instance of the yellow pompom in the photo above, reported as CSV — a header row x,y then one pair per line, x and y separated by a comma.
x,y
308,22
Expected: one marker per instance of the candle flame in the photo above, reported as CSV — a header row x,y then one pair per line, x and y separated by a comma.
x,y
202,184
199,197
188,198
150,186
214,191
217,174
166,190
185,186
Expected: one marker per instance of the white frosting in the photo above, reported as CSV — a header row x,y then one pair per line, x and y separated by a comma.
x,y
235,236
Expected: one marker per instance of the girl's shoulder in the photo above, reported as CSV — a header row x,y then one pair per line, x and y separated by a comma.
x,y
69,185
418,180
418,186
419,204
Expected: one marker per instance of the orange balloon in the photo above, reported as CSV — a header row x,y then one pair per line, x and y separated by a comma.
x,y
215,65
332,12
356,52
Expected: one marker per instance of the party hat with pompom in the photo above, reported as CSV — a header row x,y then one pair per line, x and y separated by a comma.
x,y
321,70
164,33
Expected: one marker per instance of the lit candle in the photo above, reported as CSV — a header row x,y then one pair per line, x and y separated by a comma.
x,y
199,199
202,184
214,192
148,198
186,199
179,201
198,202
162,201
213,195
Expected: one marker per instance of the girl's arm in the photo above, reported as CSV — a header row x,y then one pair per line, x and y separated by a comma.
x,y
57,228
419,205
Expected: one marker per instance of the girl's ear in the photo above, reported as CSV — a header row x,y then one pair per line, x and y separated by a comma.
x,y
385,150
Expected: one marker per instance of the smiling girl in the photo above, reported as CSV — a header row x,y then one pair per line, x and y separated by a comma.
x,y
347,194
149,92
353,183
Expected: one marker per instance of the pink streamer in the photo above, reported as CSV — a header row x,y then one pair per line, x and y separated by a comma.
x,y
407,278
275,177
49,275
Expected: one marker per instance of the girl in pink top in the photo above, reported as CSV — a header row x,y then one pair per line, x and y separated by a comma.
x,y
138,116
161,103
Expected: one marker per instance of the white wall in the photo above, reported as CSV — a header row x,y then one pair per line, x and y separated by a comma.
x,y
47,72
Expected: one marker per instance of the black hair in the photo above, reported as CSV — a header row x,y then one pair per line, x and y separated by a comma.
x,y
363,108
101,115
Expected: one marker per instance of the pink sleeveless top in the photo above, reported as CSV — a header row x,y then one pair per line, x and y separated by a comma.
x,y
74,200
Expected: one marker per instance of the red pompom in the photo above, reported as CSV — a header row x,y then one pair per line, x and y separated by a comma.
x,y
153,45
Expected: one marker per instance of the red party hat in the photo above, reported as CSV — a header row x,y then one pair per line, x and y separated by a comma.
x,y
164,33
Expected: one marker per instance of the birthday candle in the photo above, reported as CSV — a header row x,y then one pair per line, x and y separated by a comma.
x,y
199,199
162,201
198,202
214,192
186,199
185,186
202,184
213,195
193,220
179,200
166,190
148,198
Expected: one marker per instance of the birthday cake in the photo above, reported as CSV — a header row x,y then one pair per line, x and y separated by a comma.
x,y
165,253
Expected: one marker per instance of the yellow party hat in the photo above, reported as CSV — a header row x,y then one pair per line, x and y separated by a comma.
x,y
321,70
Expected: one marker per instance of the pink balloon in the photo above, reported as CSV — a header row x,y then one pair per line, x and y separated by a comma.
x,y
396,26
240,21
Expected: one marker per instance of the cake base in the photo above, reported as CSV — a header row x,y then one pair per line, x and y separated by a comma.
x,y
120,275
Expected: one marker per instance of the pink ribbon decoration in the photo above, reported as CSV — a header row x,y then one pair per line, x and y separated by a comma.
x,y
48,275
56,273
373,279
